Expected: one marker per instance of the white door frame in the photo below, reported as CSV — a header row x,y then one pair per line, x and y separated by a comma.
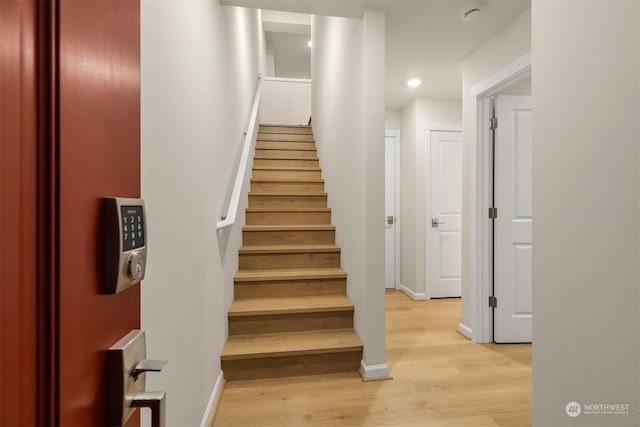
x,y
481,228
428,128
395,133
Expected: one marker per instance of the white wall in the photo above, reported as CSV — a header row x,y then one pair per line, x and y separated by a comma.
x,y
586,183
199,65
393,119
348,122
503,48
270,69
285,102
413,185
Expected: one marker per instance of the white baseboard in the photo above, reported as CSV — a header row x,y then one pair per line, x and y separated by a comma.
x,y
374,372
216,394
465,331
413,295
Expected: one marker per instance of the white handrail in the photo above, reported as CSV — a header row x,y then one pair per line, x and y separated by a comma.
x,y
286,79
229,218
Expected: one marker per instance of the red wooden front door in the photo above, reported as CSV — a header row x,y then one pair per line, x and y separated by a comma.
x,y
85,145
99,155
18,214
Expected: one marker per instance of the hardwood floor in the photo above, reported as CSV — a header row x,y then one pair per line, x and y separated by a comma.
x,y
439,379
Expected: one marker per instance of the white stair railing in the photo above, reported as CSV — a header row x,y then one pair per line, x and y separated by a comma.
x,y
229,217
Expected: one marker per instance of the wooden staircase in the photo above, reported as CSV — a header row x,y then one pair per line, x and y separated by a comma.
x,y
291,315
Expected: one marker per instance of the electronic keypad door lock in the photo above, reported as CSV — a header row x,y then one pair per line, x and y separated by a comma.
x,y
125,243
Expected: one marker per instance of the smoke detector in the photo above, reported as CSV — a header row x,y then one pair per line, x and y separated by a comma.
x,y
471,11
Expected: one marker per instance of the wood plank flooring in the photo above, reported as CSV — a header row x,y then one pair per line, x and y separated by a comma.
x,y
440,379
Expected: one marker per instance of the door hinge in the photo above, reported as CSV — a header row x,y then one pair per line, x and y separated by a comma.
x,y
493,302
493,123
493,212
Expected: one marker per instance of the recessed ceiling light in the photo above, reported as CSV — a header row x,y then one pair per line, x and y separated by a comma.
x,y
309,43
414,82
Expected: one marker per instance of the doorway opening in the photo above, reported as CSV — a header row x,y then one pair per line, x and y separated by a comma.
x,y
510,80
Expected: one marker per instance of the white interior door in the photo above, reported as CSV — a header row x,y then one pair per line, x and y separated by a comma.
x,y
390,212
444,255
512,228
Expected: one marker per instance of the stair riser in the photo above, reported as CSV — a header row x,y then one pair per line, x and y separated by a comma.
x,y
287,153
275,145
297,187
289,260
296,322
301,163
282,137
287,174
289,237
288,218
276,367
262,201
293,288
295,130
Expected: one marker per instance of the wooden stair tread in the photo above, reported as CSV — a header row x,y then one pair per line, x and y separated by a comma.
x,y
287,168
287,153
285,130
288,171
293,227
286,193
307,145
288,210
303,180
290,274
259,157
288,305
290,344
276,125
288,249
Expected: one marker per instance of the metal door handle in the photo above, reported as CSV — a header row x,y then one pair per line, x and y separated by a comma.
x,y
148,366
390,220
435,222
127,363
154,400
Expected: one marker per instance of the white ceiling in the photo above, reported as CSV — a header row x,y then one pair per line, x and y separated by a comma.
x,y
424,38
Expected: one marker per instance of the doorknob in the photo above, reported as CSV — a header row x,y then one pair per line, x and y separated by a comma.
x,y
390,220
435,222
126,364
